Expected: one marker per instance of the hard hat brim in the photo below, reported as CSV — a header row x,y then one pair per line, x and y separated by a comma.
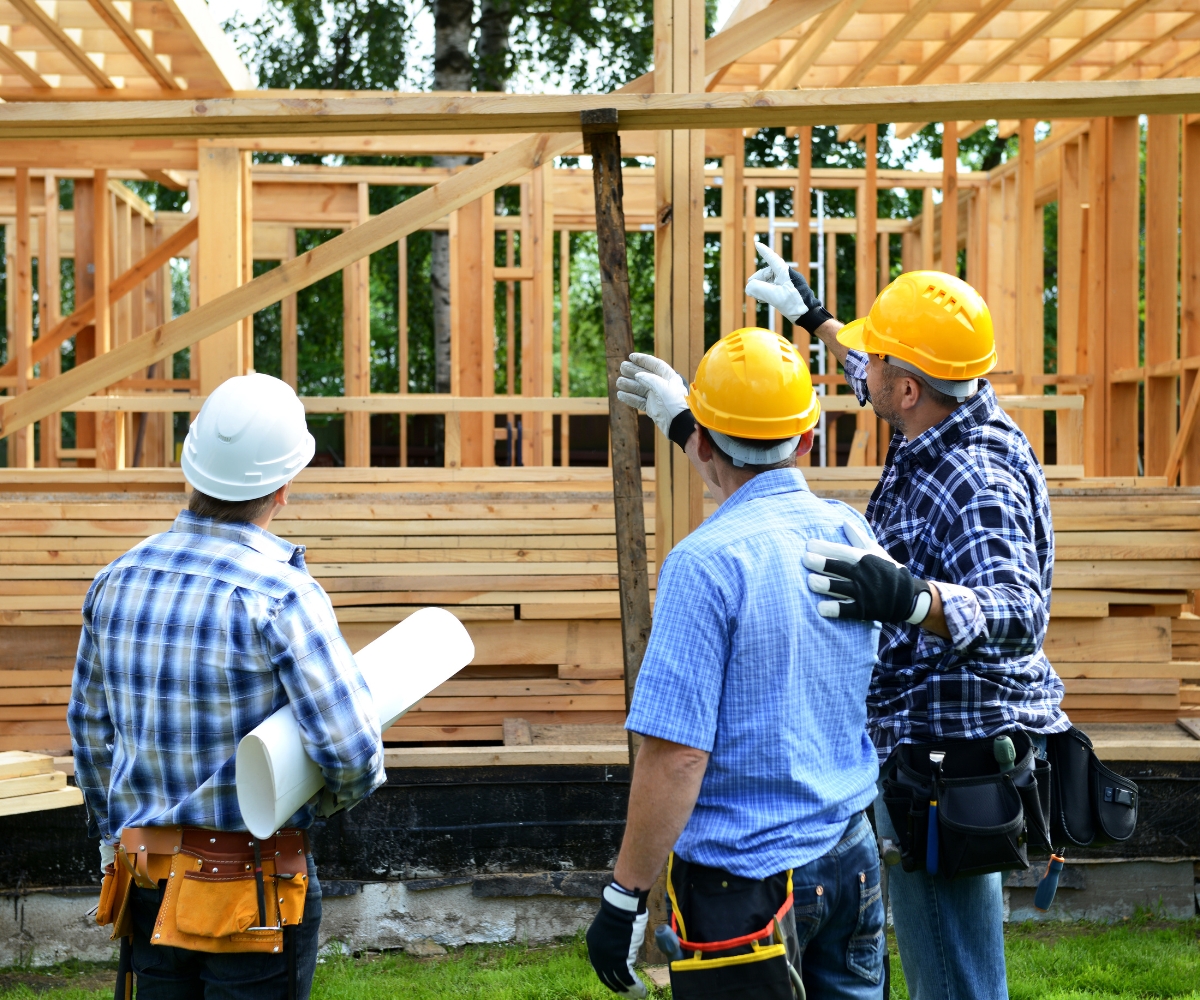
x,y
852,335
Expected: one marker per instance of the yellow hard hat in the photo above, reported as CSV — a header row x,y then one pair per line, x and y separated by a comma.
x,y
754,384
934,321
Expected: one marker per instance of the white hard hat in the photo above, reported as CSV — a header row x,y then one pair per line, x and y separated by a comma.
x,y
249,439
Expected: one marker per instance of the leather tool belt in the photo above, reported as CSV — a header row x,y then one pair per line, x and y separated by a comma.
x,y
225,892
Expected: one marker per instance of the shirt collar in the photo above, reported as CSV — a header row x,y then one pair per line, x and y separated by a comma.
x,y
930,446
251,535
766,484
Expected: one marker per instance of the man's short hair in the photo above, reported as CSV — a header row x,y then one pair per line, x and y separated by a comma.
x,y
784,463
936,395
230,511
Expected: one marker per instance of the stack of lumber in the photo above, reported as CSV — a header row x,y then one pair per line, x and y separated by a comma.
x,y
29,782
527,559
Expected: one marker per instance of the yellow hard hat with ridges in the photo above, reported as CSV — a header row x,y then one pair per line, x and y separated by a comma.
x,y
932,320
754,384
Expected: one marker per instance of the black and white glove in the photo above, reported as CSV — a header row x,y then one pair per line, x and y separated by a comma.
x,y
615,936
785,288
864,581
654,388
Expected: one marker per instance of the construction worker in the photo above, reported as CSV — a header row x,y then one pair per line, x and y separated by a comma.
x,y
755,769
961,585
190,640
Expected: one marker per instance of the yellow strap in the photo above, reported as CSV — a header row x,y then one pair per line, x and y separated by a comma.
x,y
702,964
671,896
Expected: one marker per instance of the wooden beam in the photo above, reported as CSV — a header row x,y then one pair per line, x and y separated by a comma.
x,y
726,47
50,308
23,311
50,28
1169,35
137,46
465,113
288,348
110,427
866,210
900,31
420,210
1071,194
950,197
1188,461
23,69
1090,41
806,51
356,344
1162,266
1121,294
1020,44
1030,244
219,256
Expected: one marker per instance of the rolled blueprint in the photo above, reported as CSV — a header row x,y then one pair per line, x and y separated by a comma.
x,y
275,777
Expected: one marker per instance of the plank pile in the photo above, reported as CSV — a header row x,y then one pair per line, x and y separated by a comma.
x,y
29,782
526,557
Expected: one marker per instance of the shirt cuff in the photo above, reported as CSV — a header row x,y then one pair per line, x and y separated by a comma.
x,y
682,428
855,367
964,616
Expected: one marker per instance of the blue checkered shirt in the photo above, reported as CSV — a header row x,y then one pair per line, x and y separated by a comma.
x,y
965,505
190,640
740,665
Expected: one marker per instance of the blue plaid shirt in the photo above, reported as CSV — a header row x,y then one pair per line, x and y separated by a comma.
x,y
740,665
965,505
190,640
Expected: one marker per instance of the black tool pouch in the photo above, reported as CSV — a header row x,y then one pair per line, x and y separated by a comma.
x,y
986,820
1092,806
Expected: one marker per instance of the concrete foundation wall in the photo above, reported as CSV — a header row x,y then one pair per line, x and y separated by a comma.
x,y
49,926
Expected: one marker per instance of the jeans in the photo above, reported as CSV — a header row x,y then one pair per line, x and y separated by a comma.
x,y
165,973
839,918
950,931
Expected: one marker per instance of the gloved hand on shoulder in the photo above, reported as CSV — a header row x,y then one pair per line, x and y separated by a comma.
x,y
864,581
615,936
654,388
785,288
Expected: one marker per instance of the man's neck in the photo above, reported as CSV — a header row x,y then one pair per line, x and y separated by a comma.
x,y
918,420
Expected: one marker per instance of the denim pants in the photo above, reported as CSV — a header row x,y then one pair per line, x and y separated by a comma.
x,y
950,931
164,973
839,918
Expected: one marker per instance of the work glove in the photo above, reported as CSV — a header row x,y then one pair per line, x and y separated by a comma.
x,y
864,581
785,288
615,936
654,388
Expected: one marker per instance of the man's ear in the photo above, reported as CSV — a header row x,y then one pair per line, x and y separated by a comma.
x,y
806,443
281,494
704,450
912,393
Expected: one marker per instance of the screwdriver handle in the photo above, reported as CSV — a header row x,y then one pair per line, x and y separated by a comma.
x,y
668,942
1048,886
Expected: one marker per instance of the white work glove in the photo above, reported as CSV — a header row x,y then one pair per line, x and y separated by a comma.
x,y
614,938
866,583
654,388
773,285
108,855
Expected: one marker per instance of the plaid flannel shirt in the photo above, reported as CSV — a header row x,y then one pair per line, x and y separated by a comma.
x,y
190,640
965,505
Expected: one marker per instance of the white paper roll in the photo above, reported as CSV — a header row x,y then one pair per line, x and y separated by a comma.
x,y
275,777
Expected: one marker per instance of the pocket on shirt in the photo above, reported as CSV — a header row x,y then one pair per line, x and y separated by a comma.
x,y
864,953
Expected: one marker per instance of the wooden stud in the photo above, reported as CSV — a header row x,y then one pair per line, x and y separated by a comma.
x,y
510,340
50,308
466,321
1071,192
1029,324
1094,360
1189,286
356,343
543,301
1162,265
802,210
402,337
85,275
1121,293
927,217
564,337
22,326
950,197
487,320
866,213
110,427
885,261
246,204
219,258
288,322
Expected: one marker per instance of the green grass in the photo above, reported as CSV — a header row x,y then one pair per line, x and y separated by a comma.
x,y
1133,959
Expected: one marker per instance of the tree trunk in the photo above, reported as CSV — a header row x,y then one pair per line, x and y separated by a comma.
x,y
495,19
452,70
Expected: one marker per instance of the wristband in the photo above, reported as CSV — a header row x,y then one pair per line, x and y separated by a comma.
x,y
682,428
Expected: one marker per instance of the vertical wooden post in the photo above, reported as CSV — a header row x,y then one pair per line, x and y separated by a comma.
x,y
510,340
802,241
1162,265
1121,294
1189,290
110,427
885,261
402,337
1071,187
750,254
245,159
927,213
487,323
122,258
600,129
1094,346
950,197
866,277
564,338
289,347
733,252
22,328
543,304
466,322
679,254
219,256
85,276
356,344
50,308
1029,326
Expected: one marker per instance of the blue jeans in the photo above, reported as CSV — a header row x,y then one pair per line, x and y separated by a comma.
x,y
165,973
839,918
950,931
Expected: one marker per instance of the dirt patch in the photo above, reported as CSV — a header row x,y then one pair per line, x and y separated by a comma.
x,y
43,982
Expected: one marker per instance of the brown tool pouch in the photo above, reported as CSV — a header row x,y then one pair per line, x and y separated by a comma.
x,y
224,892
